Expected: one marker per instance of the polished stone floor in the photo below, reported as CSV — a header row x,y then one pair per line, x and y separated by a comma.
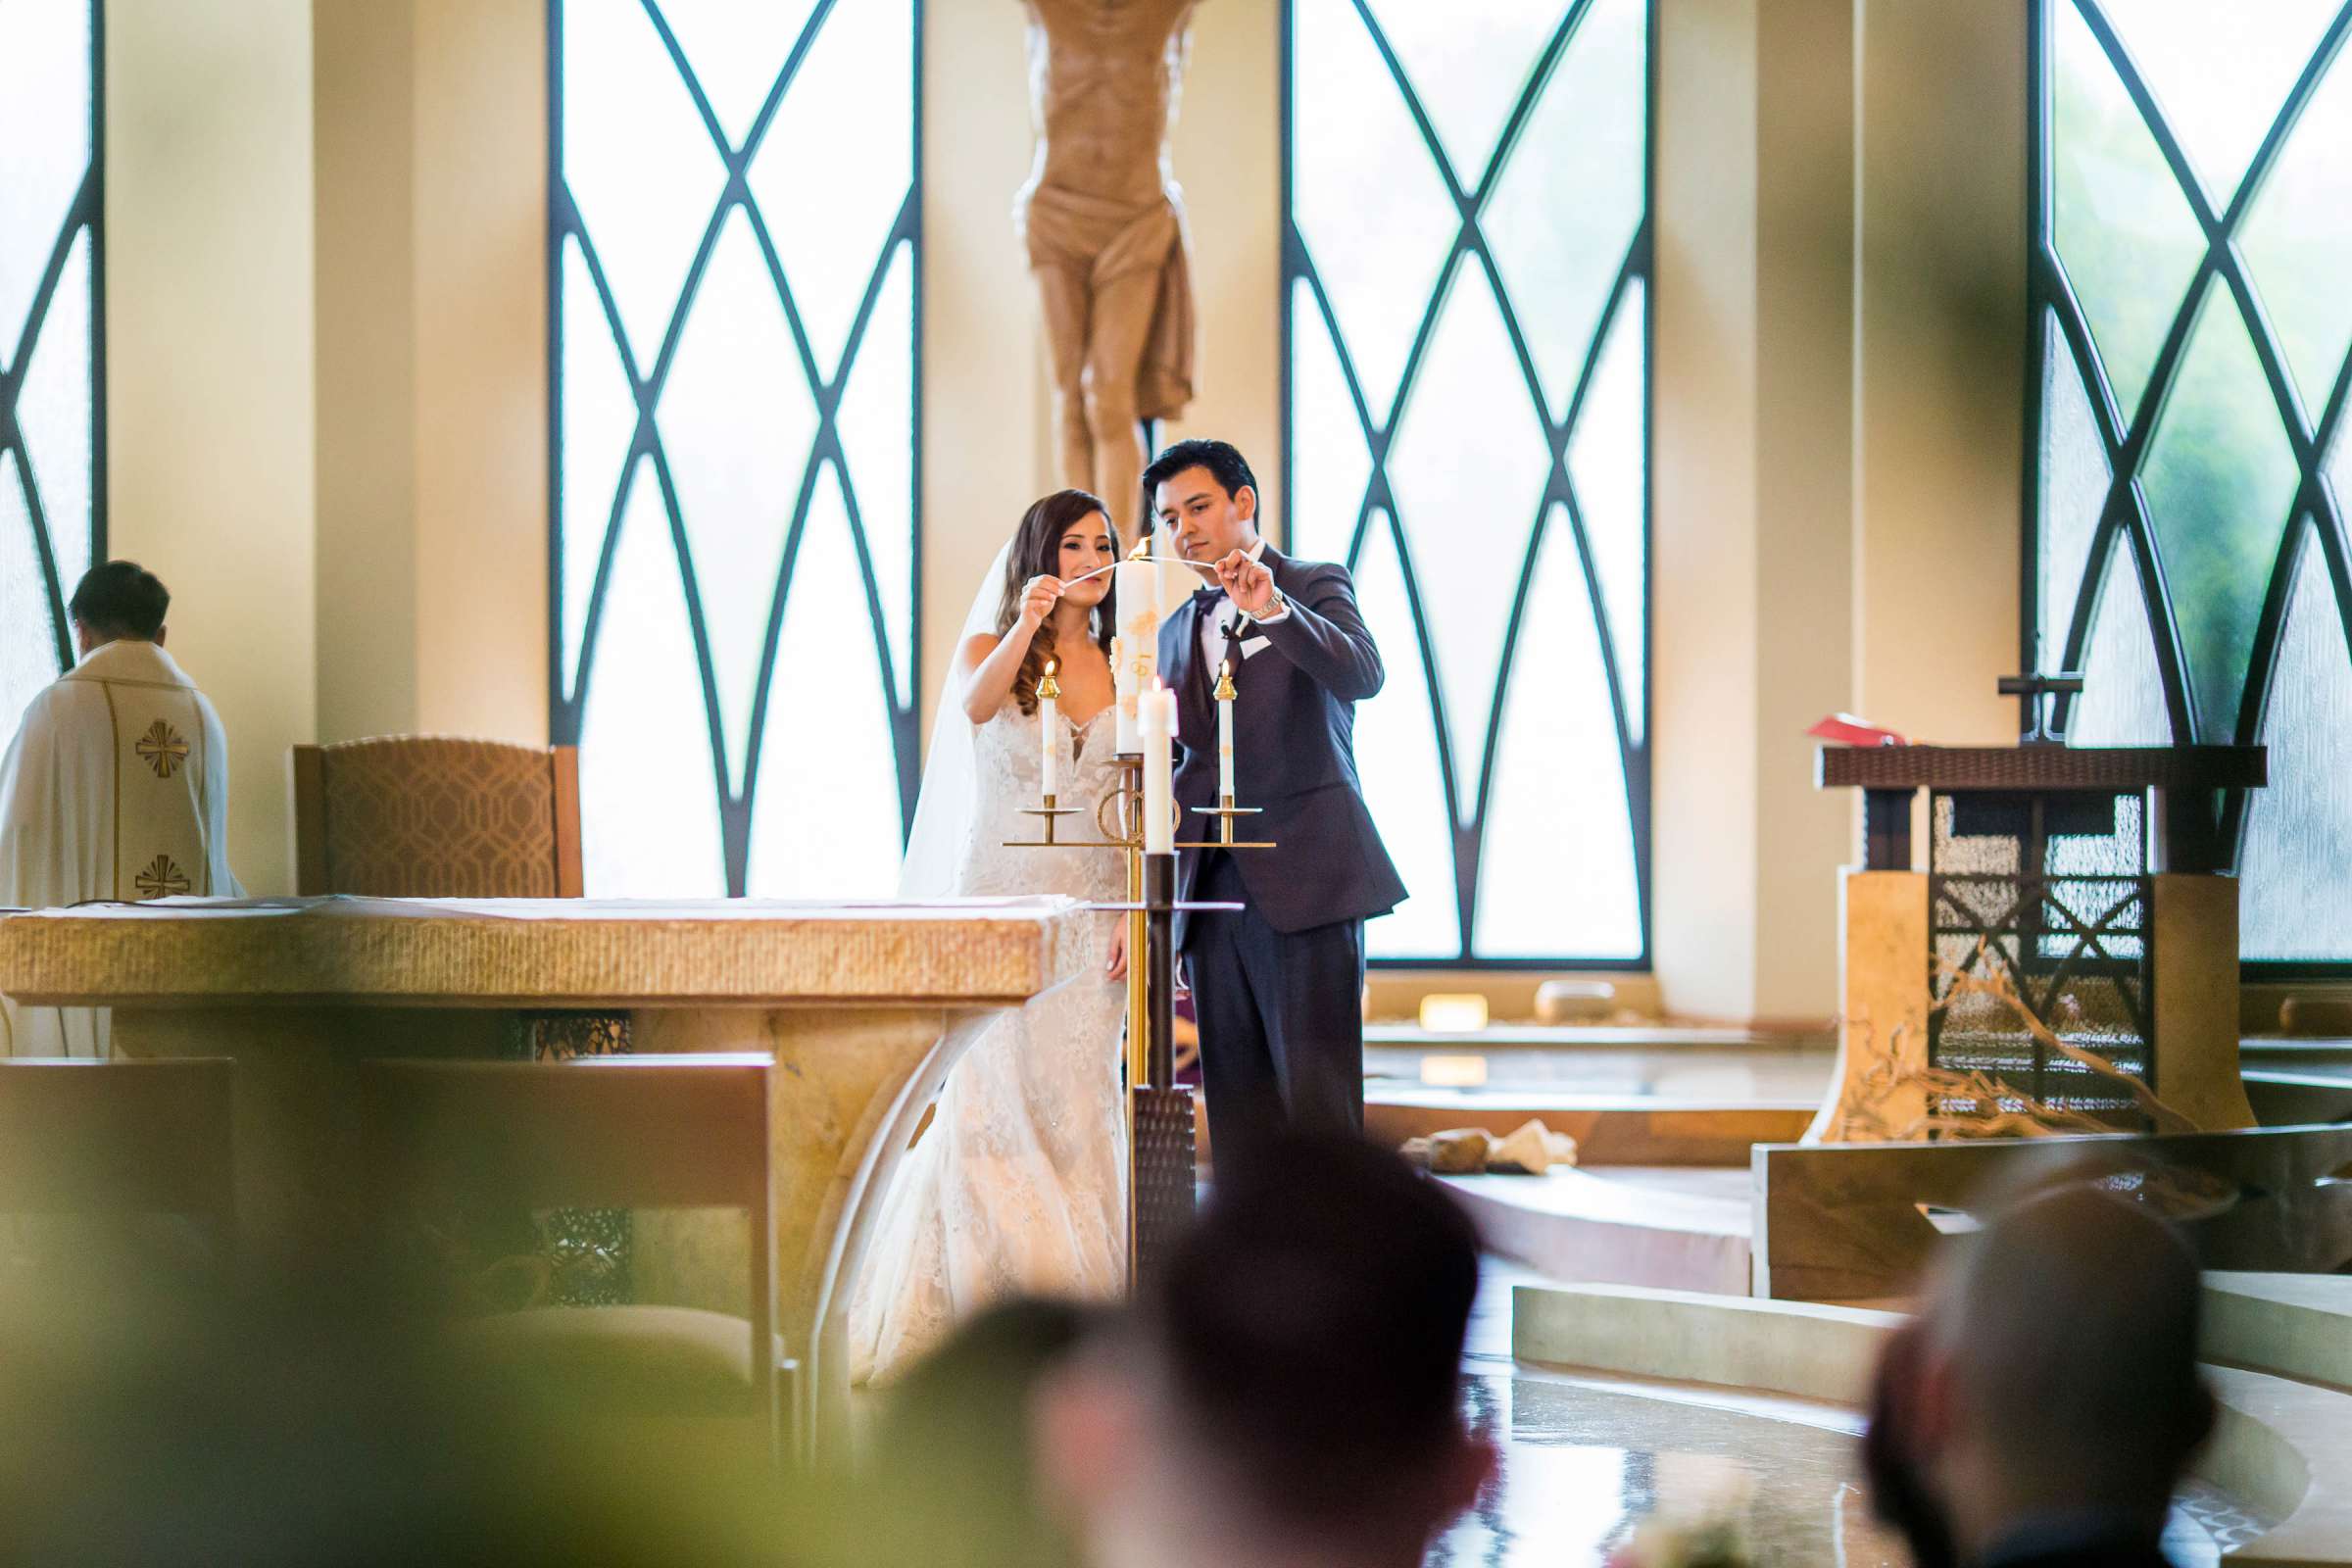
x,y
1697,1064
1723,1073
1584,1458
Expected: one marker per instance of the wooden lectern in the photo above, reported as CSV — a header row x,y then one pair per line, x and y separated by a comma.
x,y
2091,883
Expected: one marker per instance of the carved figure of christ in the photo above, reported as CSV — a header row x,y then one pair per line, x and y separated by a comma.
x,y
1103,222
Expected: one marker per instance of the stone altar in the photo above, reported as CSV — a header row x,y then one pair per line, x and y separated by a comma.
x,y
864,1005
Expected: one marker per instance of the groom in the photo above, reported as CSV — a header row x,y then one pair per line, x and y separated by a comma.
x,y
1278,985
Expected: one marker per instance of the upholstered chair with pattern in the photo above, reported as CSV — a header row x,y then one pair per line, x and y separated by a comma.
x,y
426,817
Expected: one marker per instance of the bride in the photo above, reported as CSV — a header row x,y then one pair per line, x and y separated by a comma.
x,y
1018,1185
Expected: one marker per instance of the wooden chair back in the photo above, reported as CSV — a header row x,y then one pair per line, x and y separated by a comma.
x,y
119,1138
671,1131
426,817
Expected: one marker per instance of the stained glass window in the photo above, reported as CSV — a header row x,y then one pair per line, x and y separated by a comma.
x,y
1466,343
2192,201
734,267
52,373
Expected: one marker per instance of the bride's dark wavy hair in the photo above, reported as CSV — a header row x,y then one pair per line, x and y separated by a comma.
x,y
1037,553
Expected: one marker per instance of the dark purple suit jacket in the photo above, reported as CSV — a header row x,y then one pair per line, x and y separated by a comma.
x,y
1293,742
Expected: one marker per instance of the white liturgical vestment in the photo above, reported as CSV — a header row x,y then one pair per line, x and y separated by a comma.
x,y
115,787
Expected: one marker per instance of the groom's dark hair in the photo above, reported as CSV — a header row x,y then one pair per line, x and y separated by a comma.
x,y
1222,459
1311,1325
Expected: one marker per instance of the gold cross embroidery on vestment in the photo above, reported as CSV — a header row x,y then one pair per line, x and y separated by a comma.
x,y
162,880
162,749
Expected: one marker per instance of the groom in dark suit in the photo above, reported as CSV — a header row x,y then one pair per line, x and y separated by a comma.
x,y
1278,986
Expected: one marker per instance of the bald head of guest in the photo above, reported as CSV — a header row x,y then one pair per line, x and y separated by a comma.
x,y
119,602
2055,1385
1289,1389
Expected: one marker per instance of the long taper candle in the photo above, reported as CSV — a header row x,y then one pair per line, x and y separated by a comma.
x,y
1225,731
1157,716
1049,714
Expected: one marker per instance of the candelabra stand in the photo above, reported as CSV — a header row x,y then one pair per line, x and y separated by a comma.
x,y
1161,1190
1124,830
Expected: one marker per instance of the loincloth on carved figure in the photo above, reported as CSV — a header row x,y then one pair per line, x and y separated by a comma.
x,y
1110,239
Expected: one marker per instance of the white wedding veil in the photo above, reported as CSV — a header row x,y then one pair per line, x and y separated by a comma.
x,y
949,799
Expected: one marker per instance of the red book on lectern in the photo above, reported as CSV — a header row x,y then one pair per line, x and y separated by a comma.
x,y
1847,730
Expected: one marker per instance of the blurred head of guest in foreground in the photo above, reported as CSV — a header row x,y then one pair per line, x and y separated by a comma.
x,y
153,1427
1289,1388
2047,1402
952,1484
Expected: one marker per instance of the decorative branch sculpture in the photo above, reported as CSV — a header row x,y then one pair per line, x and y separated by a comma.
x,y
1999,1109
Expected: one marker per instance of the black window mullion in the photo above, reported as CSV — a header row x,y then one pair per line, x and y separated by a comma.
x,y
734,806
82,214
1467,797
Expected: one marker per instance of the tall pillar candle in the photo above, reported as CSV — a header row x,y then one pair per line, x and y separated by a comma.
x,y
1156,717
1120,722
1135,589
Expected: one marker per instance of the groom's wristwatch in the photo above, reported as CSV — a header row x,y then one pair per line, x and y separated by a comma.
x,y
1275,609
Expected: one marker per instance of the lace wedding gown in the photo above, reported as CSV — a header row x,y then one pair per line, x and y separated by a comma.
x,y
1019,1185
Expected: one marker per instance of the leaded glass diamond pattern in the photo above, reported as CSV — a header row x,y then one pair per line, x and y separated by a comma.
x,y
735,250
2192,177
52,477
1466,337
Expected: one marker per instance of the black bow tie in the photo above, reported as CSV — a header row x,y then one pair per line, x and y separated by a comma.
x,y
1202,596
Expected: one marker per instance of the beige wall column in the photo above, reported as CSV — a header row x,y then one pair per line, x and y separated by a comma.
x,y
431,124
1804,490
1841,307
1229,161
209,361
363,54
1704,538
1939,370
986,451
480,197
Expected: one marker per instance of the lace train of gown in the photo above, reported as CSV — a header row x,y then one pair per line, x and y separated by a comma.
x,y
1018,1187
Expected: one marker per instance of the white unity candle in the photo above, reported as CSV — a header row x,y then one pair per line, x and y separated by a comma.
x,y
1225,731
1156,718
1135,588
1118,691
1048,713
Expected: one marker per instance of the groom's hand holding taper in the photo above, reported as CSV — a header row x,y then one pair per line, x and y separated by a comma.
x,y
1246,582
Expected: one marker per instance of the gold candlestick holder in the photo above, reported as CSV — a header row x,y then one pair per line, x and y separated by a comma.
x,y
1225,811
1051,810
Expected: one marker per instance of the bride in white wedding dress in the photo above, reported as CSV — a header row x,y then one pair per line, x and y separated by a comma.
x,y
1019,1184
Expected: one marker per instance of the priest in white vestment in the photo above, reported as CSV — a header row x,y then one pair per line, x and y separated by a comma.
x,y
116,787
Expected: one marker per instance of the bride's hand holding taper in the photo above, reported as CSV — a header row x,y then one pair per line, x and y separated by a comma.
x,y
1037,601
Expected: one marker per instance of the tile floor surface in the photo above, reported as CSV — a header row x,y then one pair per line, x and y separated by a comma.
x,y
1584,1458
